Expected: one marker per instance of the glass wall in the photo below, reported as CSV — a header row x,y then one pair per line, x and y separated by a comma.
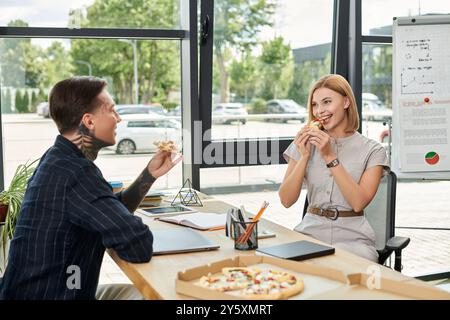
x,y
264,61
143,79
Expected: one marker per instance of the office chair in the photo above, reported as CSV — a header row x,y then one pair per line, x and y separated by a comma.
x,y
381,216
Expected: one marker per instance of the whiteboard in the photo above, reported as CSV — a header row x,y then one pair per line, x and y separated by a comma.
x,y
421,97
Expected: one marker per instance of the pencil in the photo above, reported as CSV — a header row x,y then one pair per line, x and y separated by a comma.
x,y
244,237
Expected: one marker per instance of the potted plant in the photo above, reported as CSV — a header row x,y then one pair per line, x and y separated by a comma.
x,y
11,202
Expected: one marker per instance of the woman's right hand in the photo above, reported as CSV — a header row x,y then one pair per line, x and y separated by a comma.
x,y
302,143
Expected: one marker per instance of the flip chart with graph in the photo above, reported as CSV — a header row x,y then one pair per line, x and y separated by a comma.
x,y
421,97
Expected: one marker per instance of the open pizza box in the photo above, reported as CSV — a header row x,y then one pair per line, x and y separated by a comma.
x,y
319,282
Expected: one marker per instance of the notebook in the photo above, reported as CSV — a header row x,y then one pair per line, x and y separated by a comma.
x,y
180,240
299,250
198,220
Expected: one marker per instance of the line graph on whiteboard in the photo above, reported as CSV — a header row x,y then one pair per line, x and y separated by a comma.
x,y
415,83
416,76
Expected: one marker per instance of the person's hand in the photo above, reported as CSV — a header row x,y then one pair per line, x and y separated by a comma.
x,y
162,162
302,143
322,141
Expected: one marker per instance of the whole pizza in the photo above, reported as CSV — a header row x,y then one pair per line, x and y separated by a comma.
x,y
253,283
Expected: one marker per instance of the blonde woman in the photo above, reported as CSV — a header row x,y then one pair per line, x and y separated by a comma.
x,y
340,167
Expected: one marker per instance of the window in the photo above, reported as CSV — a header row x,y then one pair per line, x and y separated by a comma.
x,y
426,225
30,67
277,55
273,61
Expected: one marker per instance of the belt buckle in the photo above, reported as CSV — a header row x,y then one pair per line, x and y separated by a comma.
x,y
336,214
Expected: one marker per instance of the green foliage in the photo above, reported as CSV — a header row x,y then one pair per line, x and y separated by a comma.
x,y
170,105
18,101
25,101
158,61
237,24
305,75
13,197
277,66
34,102
244,77
258,106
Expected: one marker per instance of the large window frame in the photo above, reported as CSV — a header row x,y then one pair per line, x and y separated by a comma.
x,y
346,50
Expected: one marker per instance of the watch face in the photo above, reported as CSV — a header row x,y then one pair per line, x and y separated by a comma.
x,y
333,163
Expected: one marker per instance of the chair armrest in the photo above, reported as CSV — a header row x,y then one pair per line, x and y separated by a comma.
x,y
397,243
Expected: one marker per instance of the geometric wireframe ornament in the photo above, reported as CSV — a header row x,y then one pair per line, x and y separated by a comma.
x,y
187,196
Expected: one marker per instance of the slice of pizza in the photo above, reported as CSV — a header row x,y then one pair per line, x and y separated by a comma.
x,y
241,272
168,145
273,284
316,123
223,283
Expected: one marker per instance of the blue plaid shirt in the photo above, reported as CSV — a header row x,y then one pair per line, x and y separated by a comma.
x,y
68,217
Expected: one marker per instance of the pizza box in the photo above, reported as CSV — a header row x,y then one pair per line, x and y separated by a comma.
x,y
319,282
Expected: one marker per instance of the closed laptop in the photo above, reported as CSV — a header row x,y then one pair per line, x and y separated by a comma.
x,y
299,250
180,240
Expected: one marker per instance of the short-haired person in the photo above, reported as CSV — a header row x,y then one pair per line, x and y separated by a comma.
x,y
340,167
69,214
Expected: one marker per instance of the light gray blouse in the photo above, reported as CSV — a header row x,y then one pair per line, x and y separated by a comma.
x,y
356,153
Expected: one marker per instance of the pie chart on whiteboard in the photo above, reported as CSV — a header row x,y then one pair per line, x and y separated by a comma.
x,y
432,158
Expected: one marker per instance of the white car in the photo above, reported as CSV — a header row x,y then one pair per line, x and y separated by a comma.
x,y
139,132
373,109
225,113
43,110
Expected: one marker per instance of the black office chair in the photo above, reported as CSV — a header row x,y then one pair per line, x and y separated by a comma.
x,y
381,215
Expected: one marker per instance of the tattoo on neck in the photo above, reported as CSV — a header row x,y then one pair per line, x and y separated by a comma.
x,y
134,194
90,144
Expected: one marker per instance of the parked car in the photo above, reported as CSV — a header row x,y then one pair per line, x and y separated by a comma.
x,y
43,110
373,109
123,109
138,132
175,111
225,113
286,107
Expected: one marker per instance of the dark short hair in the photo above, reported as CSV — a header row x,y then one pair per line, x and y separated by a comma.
x,y
71,98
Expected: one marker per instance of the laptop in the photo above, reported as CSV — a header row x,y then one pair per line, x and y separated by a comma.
x,y
299,250
180,240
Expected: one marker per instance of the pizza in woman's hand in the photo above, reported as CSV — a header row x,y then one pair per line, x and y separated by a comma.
x,y
316,123
168,145
253,283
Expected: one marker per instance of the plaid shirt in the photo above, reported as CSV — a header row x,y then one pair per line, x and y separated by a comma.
x,y
68,217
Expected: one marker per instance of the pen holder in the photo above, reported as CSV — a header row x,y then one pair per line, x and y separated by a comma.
x,y
245,235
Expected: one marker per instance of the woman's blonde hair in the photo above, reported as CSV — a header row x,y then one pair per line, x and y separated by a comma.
x,y
340,85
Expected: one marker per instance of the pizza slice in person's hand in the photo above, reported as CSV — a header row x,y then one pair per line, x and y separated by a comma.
x,y
316,123
167,145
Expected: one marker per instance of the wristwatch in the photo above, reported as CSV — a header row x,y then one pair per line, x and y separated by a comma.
x,y
333,163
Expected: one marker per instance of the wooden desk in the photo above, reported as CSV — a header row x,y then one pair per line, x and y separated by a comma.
x,y
156,279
